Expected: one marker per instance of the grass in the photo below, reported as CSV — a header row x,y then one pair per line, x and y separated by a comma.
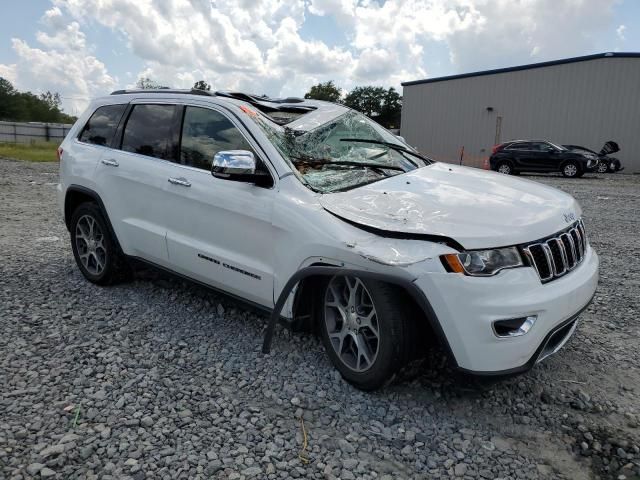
x,y
34,152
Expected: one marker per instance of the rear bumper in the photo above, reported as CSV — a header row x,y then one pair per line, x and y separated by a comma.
x,y
467,307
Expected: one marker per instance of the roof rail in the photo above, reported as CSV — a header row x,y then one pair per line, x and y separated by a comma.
x,y
193,91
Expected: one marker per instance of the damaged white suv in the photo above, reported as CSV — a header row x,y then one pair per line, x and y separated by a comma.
x,y
314,212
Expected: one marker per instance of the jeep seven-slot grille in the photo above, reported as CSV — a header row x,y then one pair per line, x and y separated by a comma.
x,y
558,255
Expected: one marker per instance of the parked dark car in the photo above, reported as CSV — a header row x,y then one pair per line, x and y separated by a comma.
x,y
519,156
606,164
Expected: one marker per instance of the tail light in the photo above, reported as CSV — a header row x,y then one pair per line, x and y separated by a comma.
x,y
495,148
59,153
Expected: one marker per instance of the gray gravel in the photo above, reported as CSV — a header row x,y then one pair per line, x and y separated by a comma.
x,y
159,378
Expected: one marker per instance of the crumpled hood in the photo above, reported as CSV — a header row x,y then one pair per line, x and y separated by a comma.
x,y
478,209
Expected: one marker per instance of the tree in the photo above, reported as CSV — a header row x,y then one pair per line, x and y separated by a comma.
x,y
324,91
383,106
391,109
26,107
367,100
7,102
51,99
201,85
145,83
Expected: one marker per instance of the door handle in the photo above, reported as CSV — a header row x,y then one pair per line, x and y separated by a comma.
x,y
180,181
110,162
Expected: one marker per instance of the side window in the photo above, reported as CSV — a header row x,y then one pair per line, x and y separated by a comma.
x,y
102,125
541,147
520,146
206,132
149,131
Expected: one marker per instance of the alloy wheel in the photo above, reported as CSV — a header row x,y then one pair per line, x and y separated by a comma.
x,y
505,168
351,321
570,170
90,244
602,167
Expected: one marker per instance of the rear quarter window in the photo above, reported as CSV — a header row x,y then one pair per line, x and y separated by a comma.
x,y
101,126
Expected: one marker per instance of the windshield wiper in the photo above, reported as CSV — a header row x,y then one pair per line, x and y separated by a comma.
x,y
393,146
311,161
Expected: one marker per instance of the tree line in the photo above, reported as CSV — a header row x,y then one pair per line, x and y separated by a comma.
x,y
16,106
380,104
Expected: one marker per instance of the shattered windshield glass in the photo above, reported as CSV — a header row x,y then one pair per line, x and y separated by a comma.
x,y
335,149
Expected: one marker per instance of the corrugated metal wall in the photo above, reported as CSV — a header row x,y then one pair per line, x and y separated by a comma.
x,y
25,132
584,103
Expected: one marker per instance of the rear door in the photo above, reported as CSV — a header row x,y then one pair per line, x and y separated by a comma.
x,y
219,231
517,152
133,179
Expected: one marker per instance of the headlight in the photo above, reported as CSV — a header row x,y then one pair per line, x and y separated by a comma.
x,y
483,263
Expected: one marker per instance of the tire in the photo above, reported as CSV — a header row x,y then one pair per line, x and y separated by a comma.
x,y
603,167
570,170
379,307
506,168
96,252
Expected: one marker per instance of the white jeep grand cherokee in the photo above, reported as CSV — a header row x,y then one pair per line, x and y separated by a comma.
x,y
312,211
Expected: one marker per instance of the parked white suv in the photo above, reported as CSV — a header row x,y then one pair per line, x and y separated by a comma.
x,y
314,212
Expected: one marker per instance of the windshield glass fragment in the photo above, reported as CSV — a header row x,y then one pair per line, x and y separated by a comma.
x,y
335,149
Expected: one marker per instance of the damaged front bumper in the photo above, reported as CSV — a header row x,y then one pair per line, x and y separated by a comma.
x,y
467,309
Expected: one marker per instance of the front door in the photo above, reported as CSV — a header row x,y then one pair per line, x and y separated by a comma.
x,y
546,156
218,231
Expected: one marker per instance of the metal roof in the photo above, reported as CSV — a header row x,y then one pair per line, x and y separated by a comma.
x,y
529,66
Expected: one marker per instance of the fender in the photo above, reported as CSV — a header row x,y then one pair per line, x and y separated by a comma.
x,y
416,293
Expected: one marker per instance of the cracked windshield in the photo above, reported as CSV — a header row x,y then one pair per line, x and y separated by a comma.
x,y
340,149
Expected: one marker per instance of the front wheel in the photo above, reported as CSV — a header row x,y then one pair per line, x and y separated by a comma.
x,y
366,330
570,170
602,167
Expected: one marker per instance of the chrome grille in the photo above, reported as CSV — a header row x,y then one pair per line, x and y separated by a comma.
x,y
558,255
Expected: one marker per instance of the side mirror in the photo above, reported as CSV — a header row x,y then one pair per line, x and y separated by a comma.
x,y
238,166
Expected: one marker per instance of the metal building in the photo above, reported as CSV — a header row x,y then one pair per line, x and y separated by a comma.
x,y
581,101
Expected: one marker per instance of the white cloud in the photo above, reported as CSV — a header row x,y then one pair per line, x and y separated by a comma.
x,y
69,37
257,45
76,77
512,33
620,32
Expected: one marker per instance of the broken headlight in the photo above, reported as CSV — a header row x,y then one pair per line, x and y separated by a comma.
x,y
482,263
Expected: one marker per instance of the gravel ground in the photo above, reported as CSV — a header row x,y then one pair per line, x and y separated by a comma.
x,y
159,378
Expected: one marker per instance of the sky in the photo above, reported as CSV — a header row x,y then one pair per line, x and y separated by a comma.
x,y
88,48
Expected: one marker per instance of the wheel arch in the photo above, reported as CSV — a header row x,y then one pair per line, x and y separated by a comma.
x,y
318,272
507,160
77,195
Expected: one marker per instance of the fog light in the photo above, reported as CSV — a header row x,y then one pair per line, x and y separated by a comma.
x,y
513,327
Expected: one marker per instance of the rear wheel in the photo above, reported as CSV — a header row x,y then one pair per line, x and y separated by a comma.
x,y
95,250
603,167
570,170
506,168
366,330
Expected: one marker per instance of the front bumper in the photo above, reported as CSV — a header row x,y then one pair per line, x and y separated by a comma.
x,y
466,307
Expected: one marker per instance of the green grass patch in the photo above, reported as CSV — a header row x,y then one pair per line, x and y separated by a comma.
x,y
33,152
